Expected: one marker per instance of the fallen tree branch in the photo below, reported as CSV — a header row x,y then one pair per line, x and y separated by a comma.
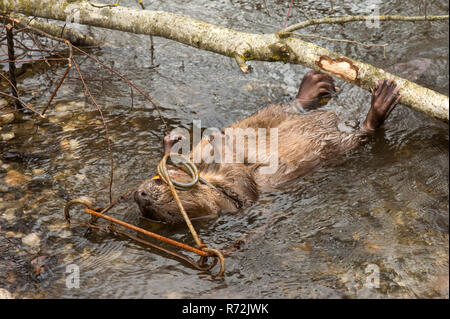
x,y
239,45
62,32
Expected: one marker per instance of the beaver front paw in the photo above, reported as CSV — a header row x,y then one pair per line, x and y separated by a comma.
x,y
315,90
384,99
169,141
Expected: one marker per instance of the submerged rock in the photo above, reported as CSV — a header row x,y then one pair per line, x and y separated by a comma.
x,y
3,103
69,106
65,233
13,234
58,226
38,171
5,294
8,136
40,181
69,127
69,144
3,189
14,178
32,240
7,118
60,117
62,175
9,214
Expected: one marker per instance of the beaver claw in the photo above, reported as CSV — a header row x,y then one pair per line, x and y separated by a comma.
x,y
315,88
384,99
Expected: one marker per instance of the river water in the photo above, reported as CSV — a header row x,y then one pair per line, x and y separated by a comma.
x,y
383,208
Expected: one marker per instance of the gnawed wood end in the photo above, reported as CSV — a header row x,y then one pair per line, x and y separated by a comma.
x,y
240,60
342,67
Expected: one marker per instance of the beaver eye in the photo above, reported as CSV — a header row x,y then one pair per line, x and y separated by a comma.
x,y
158,181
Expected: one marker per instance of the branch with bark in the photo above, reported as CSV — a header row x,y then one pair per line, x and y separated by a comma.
x,y
241,46
63,32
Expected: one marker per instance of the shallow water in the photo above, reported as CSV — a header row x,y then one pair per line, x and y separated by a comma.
x,y
385,204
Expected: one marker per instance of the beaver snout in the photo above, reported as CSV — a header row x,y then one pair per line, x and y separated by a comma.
x,y
155,202
141,195
147,192
147,196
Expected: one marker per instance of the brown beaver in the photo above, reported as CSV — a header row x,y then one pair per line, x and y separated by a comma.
x,y
306,139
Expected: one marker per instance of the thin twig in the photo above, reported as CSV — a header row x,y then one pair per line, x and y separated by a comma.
x,y
34,60
38,44
367,45
132,97
69,65
108,141
18,98
12,65
287,16
338,20
105,5
123,77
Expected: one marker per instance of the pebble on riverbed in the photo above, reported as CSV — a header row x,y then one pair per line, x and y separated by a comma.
x,y
69,144
5,294
3,188
37,171
14,178
7,136
7,118
3,103
32,240
9,214
40,181
12,234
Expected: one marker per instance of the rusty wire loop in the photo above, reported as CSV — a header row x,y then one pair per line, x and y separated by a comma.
x,y
191,169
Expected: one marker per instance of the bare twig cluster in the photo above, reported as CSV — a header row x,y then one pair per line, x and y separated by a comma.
x,y
36,46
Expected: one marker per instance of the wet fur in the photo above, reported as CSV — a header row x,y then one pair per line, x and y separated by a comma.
x,y
305,142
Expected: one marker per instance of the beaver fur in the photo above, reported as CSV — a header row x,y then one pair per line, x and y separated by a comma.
x,y
305,141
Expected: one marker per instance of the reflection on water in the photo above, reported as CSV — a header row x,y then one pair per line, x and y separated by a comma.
x,y
385,204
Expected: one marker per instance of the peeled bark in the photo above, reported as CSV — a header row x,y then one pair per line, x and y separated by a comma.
x,y
239,45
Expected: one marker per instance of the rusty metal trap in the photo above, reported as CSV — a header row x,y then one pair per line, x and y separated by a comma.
x,y
201,250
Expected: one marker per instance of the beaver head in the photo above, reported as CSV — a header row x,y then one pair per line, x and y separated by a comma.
x,y
233,186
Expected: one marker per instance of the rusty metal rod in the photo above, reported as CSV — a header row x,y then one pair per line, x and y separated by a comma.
x,y
167,251
150,234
